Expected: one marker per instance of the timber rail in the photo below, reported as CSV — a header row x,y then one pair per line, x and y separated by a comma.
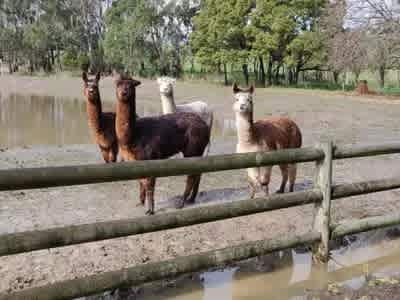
x,y
320,195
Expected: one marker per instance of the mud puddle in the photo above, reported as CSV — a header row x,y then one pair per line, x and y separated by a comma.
x,y
285,275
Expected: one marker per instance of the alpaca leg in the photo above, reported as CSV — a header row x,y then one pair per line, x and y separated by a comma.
x,y
195,189
114,153
252,188
190,182
142,187
193,181
150,185
105,154
265,178
252,174
292,176
285,176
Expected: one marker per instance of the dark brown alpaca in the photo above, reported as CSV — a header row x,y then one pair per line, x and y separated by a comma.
x,y
157,138
101,124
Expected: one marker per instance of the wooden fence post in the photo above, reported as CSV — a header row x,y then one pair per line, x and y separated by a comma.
x,y
322,209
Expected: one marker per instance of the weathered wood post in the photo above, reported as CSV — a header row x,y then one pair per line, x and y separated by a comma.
x,y
323,209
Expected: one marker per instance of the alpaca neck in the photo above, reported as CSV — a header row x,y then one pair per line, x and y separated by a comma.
x,y
245,128
94,111
125,121
168,103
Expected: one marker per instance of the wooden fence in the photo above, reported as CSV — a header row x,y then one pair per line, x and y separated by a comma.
x,y
321,196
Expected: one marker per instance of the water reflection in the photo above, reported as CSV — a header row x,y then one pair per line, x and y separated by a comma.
x,y
283,275
46,120
33,120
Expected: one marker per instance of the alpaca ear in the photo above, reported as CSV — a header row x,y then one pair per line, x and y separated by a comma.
x,y
136,83
172,80
84,77
251,89
235,88
159,80
98,75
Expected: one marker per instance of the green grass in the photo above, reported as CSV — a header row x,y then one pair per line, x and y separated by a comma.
x,y
391,91
322,85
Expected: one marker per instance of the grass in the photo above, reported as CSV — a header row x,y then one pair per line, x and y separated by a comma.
x,y
391,91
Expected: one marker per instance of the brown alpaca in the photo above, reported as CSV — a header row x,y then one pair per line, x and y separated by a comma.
x,y
264,135
157,138
101,124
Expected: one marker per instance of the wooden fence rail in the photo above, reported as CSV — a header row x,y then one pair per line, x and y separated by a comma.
x,y
75,234
321,196
33,178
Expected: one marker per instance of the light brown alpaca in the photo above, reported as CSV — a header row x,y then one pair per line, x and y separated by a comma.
x,y
101,124
264,135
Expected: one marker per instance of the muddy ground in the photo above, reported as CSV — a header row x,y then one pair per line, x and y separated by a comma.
x,y
343,118
381,288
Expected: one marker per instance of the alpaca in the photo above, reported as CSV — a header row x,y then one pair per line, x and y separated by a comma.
x,y
264,135
168,103
101,124
157,138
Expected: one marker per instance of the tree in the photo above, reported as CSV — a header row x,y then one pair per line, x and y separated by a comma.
x,y
219,35
381,24
280,29
148,36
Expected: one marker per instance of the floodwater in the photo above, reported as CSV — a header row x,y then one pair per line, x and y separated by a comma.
x,y
28,121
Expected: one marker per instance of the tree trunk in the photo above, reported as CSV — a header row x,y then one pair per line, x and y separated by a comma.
x,y
192,66
245,69
382,76
225,75
336,77
357,74
269,71
262,71
290,76
52,57
219,69
255,69
276,77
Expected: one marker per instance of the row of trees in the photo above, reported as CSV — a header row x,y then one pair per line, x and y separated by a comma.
x,y
49,34
271,40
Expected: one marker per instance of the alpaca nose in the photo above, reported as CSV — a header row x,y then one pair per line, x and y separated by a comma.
x,y
242,107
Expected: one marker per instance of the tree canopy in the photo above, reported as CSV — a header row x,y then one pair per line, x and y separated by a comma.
x,y
272,41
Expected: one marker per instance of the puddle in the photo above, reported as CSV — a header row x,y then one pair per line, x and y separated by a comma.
x,y
47,120
283,275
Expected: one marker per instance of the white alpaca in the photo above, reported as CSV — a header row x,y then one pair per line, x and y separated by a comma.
x,y
168,103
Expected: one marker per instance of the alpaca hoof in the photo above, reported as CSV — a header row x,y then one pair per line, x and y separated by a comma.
x,y
190,201
149,213
139,204
179,204
280,192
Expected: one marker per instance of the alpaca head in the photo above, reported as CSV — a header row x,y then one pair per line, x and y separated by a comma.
x,y
91,87
243,99
126,87
166,85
